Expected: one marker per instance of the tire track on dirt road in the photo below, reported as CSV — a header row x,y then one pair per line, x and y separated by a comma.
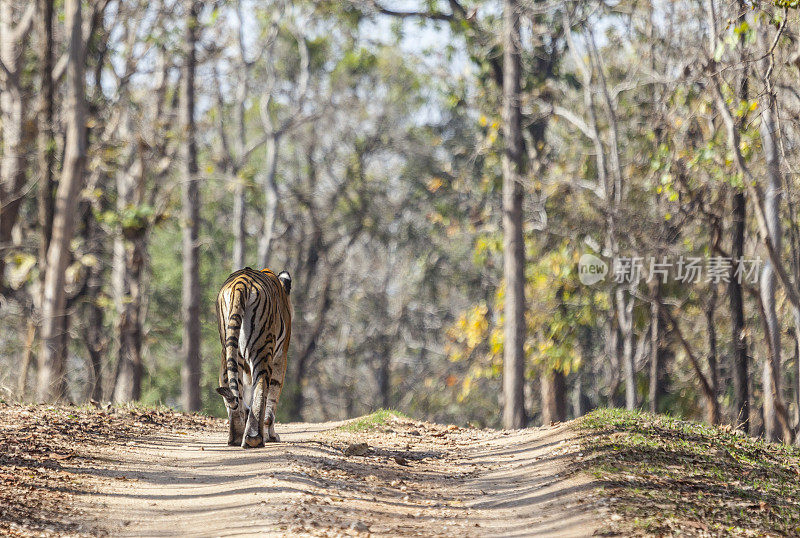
x,y
413,478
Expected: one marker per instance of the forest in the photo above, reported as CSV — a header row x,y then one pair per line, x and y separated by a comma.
x,y
494,213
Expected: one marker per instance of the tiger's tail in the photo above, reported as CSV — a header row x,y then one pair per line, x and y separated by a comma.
x,y
233,327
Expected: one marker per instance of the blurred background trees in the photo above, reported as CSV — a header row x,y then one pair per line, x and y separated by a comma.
x,y
431,174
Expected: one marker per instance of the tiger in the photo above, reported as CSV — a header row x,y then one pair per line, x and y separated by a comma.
x,y
254,313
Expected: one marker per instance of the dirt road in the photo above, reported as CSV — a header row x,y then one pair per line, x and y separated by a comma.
x,y
411,478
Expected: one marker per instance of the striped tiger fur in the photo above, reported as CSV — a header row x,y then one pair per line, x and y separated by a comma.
x,y
255,324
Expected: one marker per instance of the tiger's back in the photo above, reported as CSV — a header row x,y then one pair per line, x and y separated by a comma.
x,y
254,313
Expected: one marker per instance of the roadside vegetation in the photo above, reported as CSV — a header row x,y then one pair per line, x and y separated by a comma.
x,y
380,418
664,476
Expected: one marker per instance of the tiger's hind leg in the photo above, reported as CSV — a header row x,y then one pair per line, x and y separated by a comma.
x,y
237,417
236,423
276,378
269,422
254,430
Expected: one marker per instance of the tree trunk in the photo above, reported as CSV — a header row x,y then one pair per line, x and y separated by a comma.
x,y
93,331
239,232
129,253
613,354
625,316
271,196
796,387
771,372
27,356
46,149
554,397
129,371
13,104
580,401
741,395
52,359
239,201
119,288
296,402
713,415
657,367
628,356
93,334
741,381
513,240
46,143
294,411
384,377
190,373
773,359
796,319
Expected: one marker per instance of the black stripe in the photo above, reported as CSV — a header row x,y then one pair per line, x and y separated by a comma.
x,y
253,316
260,350
231,305
282,333
253,337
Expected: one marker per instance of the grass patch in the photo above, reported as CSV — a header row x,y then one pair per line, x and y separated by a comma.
x,y
378,419
670,476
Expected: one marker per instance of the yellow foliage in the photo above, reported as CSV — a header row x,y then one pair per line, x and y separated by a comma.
x,y
434,184
558,305
477,325
465,386
496,341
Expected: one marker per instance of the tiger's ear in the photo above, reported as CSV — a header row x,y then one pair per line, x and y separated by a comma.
x,y
286,280
226,393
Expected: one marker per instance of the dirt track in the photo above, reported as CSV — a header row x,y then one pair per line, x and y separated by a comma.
x,y
414,479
